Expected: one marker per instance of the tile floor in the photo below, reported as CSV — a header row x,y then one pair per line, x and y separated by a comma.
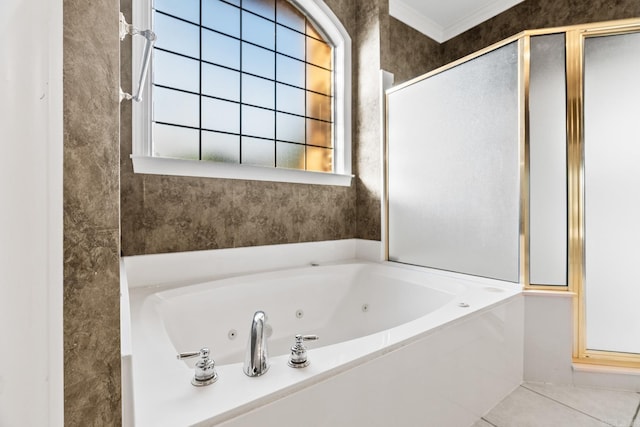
x,y
546,405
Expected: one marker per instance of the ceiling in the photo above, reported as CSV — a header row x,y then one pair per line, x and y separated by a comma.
x,y
445,19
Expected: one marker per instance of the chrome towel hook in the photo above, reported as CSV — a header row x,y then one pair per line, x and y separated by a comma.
x,y
150,38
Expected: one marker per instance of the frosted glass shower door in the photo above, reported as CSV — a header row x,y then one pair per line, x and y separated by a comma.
x,y
612,192
453,168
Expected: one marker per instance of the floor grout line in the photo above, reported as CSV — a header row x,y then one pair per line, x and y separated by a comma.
x,y
635,416
488,422
567,406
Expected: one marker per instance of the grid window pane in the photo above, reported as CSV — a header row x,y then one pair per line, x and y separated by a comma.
x,y
264,8
290,128
258,61
172,106
290,156
220,147
258,152
220,115
319,159
221,16
290,43
220,49
319,133
290,71
289,99
258,122
175,141
318,53
185,9
319,106
290,16
311,31
176,71
247,81
258,30
176,36
220,82
258,91
318,79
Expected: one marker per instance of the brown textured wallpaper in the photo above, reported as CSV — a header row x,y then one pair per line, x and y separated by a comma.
x,y
91,300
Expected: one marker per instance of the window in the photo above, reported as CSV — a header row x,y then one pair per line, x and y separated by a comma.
x,y
253,89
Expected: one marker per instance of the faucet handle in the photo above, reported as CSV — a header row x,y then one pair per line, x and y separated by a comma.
x,y
298,357
205,373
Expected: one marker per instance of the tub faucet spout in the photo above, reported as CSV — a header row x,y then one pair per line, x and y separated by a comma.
x,y
256,360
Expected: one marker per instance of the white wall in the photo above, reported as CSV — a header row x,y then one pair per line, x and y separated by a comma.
x,y
31,392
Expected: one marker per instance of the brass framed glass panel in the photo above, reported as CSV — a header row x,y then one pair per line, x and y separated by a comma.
x,y
609,322
577,149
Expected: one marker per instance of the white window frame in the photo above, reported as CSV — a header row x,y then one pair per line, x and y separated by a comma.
x,y
336,34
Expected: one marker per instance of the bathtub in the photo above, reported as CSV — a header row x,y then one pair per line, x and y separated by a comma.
x,y
398,345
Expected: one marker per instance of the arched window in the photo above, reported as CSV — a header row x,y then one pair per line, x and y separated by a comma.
x,y
251,88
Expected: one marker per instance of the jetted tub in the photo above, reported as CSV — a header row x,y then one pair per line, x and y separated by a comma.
x,y
399,345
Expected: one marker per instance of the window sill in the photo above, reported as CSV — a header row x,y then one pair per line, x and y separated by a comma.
x,y
180,167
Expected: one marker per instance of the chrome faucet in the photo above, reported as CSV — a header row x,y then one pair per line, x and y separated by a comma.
x,y
256,360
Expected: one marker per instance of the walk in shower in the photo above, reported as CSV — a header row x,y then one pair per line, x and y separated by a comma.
x,y
519,162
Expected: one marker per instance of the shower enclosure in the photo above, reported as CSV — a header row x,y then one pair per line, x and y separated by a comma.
x,y
518,163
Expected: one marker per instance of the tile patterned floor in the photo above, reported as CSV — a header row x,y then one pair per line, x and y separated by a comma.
x,y
546,405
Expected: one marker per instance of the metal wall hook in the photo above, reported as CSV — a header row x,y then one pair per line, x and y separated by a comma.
x,y
150,37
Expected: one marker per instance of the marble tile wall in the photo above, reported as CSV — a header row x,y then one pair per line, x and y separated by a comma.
x,y
91,214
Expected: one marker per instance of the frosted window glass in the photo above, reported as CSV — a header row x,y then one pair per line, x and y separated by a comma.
x,y
222,17
176,71
258,30
185,9
612,179
454,168
175,141
290,156
318,53
220,147
311,31
258,91
318,106
548,161
258,122
290,99
290,71
258,61
318,79
220,115
319,133
172,106
289,128
220,82
319,159
177,36
289,16
290,42
220,49
258,152
264,8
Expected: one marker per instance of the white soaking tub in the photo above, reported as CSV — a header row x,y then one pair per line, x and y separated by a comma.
x,y
399,345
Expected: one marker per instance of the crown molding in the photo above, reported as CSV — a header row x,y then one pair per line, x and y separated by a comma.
x,y
441,33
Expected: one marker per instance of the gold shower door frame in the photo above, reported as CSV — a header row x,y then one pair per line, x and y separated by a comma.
x,y
574,54
575,146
